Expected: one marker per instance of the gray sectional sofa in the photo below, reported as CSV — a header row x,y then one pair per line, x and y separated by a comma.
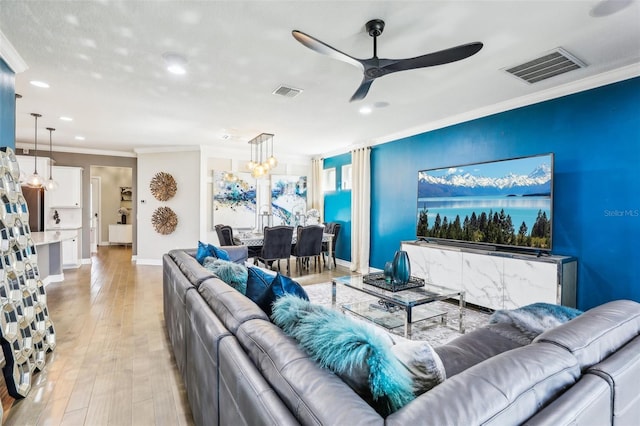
x,y
239,368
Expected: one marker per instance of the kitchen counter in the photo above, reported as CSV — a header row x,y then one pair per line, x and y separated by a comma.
x,y
49,248
48,237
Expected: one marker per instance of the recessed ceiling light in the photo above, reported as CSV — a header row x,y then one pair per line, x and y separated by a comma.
x,y
79,138
66,118
365,110
39,84
176,63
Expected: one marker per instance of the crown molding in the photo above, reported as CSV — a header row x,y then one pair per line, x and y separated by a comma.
x,y
163,149
11,56
588,83
76,150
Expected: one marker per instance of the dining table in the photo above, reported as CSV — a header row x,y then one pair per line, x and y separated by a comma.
x,y
256,239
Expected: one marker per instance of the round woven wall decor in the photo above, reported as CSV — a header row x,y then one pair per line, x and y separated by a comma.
x,y
164,220
163,186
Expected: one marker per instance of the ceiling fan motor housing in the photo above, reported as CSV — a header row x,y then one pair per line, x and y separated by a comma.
x,y
375,27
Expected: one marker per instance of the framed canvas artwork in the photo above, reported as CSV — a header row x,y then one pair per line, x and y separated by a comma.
x,y
288,199
234,199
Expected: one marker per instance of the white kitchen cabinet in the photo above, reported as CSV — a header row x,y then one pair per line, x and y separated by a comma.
x,y
69,192
120,234
71,252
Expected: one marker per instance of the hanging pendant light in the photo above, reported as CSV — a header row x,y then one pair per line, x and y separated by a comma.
x,y
50,184
35,180
273,162
259,165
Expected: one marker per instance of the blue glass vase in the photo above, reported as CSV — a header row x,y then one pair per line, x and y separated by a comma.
x,y
401,268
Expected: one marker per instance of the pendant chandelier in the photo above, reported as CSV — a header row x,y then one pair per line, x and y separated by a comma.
x,y
50,184
262,159
35,180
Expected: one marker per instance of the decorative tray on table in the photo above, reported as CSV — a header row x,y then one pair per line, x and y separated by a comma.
x,y
378,280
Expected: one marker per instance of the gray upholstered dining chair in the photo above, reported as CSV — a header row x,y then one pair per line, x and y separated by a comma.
x,y
331,228
276,246
308,245
225,235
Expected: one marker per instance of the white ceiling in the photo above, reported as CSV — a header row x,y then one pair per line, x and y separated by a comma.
x,y
103,61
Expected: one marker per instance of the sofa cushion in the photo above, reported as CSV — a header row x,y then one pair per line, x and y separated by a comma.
x,y
190,267
315,395
507,389
481,344
231,307
621,371
354,350
279,286
598,332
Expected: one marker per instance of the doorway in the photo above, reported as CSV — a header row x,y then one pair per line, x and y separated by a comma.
x,y
110,201
95,231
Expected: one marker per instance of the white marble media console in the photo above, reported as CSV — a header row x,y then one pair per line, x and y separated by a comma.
x,y
494,279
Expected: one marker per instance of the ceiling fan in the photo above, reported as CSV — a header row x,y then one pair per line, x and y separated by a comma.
x,y
375,67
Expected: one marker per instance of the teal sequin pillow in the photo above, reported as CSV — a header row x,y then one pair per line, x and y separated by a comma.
x,y
354,350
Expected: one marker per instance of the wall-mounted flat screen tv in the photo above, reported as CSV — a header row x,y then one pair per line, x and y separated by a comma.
x,y
505,204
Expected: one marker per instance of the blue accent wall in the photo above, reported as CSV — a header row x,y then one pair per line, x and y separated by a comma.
x,y
337,206
595,136
7,105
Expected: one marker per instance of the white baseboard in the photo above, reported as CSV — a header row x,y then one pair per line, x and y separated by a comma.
x,y
53,279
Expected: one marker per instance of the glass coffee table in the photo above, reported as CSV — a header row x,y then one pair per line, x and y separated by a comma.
x,y
394,309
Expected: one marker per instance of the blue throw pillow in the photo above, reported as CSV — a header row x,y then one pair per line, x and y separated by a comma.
x,y
231,273
258,281
220,254
354,350
280,286
208,250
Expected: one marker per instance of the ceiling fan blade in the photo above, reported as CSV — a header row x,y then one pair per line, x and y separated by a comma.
x,y
362,90
435,58
320,47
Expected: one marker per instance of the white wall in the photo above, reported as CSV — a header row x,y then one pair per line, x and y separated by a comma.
x,y
185,167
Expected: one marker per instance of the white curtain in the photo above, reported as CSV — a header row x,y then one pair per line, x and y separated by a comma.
x,y
317,196
360,209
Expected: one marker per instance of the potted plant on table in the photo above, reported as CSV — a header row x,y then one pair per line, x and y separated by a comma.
x,y
123,212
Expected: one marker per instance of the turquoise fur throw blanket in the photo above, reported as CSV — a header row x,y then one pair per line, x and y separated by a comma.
x,y
534,319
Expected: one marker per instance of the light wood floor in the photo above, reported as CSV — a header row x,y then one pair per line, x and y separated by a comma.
x,y
112,364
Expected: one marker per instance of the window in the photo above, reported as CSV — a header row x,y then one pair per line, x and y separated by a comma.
x,y
329,180
346,177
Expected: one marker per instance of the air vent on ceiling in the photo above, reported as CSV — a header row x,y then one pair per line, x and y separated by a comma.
x,y
558,61
286,91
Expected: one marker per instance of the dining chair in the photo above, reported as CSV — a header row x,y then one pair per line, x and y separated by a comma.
x,y
276,246
331,228
308,245
225,235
